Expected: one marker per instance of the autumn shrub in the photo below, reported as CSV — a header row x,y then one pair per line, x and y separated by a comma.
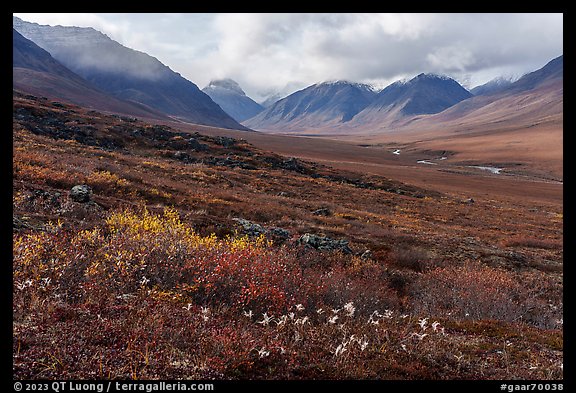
x,y
411,258
368,290
37,257
48,175
476,291
532,242
144,296
142,249
139,249
105,181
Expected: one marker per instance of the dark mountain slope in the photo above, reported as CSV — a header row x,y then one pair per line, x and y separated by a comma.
x,y
35,71
126,73
319,105
551,73
535,98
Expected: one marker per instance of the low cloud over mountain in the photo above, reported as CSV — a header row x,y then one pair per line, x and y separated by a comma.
x,y
126,73
230,96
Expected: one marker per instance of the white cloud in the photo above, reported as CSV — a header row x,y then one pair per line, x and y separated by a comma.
x,y
455,58
270,50
111,28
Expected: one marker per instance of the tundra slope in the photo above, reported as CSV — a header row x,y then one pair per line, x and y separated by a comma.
x,y
133,285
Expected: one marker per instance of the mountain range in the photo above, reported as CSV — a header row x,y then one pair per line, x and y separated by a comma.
x,y
86,67
425,101
125,73
423,94
347,104
492,86
535,98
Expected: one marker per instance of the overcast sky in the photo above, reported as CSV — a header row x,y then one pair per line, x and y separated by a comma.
x,y
272,52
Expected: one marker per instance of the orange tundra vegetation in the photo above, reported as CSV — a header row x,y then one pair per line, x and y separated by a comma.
x,y
188,262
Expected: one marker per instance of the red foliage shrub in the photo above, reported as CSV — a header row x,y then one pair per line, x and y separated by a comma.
x,y
480,292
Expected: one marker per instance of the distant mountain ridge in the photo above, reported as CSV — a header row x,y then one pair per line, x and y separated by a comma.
x,y
36,72
26,54
126,73
271,100
423,94
319,105
425,101
229,95
535,98
338,104
493,86
552,72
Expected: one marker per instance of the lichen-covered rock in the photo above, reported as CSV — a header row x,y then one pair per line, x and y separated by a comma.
x,y
80,193
279,234
250,228
324,243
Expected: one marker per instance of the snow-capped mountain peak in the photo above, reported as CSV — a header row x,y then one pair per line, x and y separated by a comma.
x,y
340,82
226,84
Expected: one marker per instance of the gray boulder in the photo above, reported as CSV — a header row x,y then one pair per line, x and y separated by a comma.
x,y
193,144
225,141
292,164
80,193
324,243
250,228
279,234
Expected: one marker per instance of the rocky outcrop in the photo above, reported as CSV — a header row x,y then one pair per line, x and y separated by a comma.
x,y
252,229
278,234
290,164
324,243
